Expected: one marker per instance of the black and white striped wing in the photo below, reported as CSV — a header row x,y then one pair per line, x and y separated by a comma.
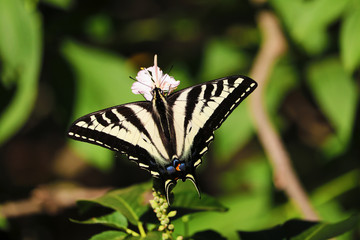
x,y
199,110
128,129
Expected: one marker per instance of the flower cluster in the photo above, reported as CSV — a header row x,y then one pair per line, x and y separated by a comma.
x,y
153,77
160,207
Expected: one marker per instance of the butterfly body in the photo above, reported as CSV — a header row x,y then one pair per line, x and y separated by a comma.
x,y
169,134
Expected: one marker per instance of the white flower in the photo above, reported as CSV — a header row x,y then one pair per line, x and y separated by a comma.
x,y
153,77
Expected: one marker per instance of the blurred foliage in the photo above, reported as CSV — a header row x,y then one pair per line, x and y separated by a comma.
x,y
337,99
301,230
132,204
20,54
64,4
92,67
61,59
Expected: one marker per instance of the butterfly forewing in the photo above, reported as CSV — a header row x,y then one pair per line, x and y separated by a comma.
x,y
199,110
127,128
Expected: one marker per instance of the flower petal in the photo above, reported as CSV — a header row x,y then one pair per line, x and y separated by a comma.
x,y
153,77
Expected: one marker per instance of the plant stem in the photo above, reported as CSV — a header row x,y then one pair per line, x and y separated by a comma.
x,y
141,230
272,48
133,233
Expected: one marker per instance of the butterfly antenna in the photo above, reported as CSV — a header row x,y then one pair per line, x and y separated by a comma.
x,y
135,80
171,68
168,73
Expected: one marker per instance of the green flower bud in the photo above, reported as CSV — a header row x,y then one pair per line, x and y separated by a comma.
x,y
172,214
171,227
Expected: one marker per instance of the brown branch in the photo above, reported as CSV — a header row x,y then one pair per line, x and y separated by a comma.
x,y
49,199
274,45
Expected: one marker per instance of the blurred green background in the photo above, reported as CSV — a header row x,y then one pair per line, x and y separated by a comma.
x,y
61,59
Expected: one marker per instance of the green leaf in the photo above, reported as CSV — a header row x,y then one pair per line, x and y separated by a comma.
x,y
150,236
4,224
287,230
233,134
326,230
109,235
336,94
303,230
20,56
307,21
349,39
289,11
316,15
132,202
155,235
222,59
115,220
186,197
102,81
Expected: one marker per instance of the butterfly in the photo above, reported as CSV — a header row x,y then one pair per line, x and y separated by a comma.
x,y
168,134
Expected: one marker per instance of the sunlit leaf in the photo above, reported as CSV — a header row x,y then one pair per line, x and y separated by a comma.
x,y
303,230
349,39
316,15
327,197
186,197
289,11
153,236
233,134
4,224
222,59
307,21
336,94
20,54
326,230
132,202
109,235
102,81
115,220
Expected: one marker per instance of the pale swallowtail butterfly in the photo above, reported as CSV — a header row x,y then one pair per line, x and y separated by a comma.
x,y
169,134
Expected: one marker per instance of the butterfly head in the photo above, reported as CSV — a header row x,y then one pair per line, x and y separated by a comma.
x,y
157,93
